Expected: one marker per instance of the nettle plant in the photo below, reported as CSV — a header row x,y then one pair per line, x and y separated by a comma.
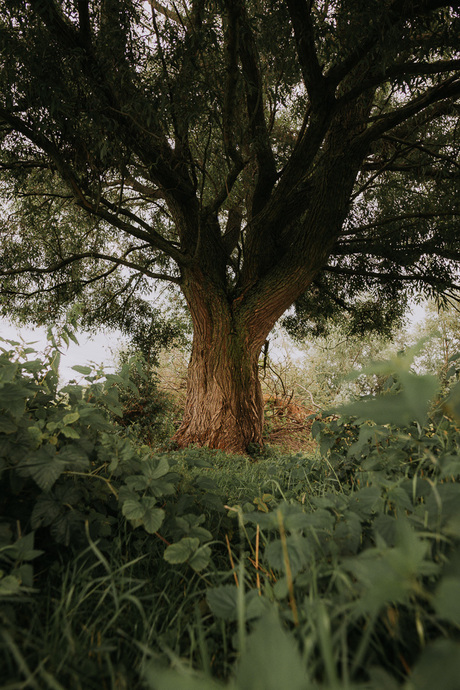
x,y
353,583
69,471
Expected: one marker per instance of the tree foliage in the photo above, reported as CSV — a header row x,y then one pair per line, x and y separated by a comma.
x,y
255,154
119,117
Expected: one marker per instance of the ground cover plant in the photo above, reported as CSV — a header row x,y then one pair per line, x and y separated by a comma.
x,y
123,567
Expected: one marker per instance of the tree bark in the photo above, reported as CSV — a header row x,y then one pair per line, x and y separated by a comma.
x,y
224,406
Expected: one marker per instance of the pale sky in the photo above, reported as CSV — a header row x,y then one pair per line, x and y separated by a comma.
x,y
99,348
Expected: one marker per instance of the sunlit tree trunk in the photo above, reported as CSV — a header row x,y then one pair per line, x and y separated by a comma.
x,y
224,406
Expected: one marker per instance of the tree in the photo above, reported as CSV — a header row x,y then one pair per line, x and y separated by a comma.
x,y
254,154
441,352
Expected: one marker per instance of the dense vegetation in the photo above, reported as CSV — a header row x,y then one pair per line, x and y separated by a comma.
x,y
123,566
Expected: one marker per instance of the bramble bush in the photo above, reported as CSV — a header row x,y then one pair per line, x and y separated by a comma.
x,y
121,567
67,469
354,582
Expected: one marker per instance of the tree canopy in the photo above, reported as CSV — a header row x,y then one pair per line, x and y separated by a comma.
x,y
256,154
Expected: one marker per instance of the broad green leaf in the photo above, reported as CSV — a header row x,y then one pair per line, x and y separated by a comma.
x,y
36,434
69,432
8,372
160,487
200,559
71,417
137,482
75,455
437,667
22,549
182,550
447,600
271,660
154,470
366,501
45,511
206,484
347,534
299,554
9,586
401,409
223,600
152,519
452,404
44,466
390,574
442,504
13,398
133,509
7,426
82,369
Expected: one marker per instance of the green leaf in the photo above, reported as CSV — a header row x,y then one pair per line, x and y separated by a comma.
x,y
9,586
452,403
299,553
69,432
133,509
366,501
411,404
200,559
390,574
447,600
152,519
45,511
82,370
222,601
70,418
137,482
44,466
271,660
182,550
153,469
206,484
22,549
438,667
13,398
7,426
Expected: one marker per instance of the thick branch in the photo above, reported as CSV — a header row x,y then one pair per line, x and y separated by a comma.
x,y
152,148
407,277
398,12
231,68
403,70
68,176
317,86
449,88
255,104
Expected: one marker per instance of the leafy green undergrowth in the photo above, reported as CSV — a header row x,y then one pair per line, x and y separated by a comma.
x,y
123,568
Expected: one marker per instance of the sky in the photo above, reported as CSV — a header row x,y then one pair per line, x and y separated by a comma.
x,y
100,347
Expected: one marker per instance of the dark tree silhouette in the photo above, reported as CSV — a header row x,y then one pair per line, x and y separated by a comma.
x,y
258,155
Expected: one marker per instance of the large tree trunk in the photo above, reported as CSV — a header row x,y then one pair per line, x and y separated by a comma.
x,y
224,406
287,245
